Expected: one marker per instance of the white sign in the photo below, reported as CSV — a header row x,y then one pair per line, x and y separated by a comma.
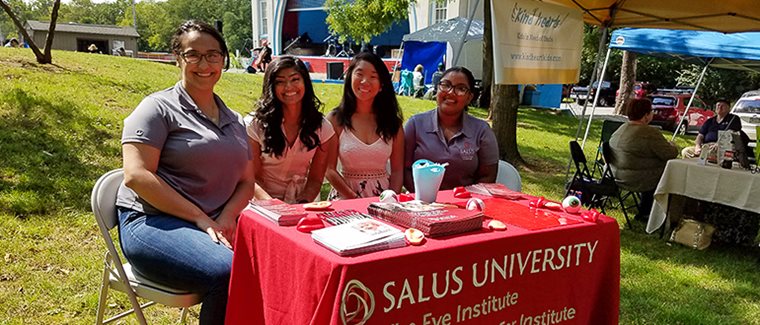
x,y
536,42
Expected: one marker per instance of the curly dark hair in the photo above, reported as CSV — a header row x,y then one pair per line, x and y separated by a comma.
x,y
199,26
269,109
385,106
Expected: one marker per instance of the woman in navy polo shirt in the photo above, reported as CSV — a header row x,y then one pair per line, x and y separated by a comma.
x,y
448,134
188,173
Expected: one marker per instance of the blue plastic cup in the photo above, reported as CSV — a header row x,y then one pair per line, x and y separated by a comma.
x,y
427,177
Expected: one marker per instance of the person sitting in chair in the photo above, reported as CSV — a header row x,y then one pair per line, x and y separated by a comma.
x,y
418,81
708,133
640,154
265,56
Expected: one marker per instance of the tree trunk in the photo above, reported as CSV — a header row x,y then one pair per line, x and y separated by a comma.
x,y
627,78
42,58
485,91
504,100
47,58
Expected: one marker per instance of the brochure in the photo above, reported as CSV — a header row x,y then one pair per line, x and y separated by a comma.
x,y
278,211
433,219
359,236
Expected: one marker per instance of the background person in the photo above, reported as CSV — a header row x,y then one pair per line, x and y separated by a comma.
x,y
448,134
291,139
368,124
418,81
12,43
187,175
640,154
708,133
264,57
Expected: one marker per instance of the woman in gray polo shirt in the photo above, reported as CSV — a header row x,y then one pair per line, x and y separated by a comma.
x,y
448,134
187,175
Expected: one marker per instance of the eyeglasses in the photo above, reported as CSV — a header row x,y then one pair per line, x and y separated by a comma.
x,y
460,90
193,57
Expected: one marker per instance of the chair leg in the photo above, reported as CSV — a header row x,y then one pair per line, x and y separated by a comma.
x,y
103,296
623,207
183,315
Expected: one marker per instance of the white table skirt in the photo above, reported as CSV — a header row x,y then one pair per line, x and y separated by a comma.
x,y
733,187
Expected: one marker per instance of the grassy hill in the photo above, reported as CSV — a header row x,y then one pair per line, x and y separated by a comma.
x,y
60,127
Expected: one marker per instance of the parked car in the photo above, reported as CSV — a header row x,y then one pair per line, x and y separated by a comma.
x,y
606,95
748,109
669,109
640,90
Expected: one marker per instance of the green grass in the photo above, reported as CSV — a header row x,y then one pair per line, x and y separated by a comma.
x,y
60,127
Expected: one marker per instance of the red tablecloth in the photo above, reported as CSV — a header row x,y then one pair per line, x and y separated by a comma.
x,y
568,274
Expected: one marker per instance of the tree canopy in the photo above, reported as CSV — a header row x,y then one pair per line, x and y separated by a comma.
x,y
156,20
360,20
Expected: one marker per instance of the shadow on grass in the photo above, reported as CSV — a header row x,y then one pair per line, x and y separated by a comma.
x,y
53,152
662,280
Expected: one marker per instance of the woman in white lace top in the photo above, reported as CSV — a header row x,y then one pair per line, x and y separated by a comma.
x,y
370,137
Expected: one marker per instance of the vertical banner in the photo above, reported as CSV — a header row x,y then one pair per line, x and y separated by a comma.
x,y
535,42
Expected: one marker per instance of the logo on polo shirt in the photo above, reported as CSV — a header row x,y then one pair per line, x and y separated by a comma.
x,y
357,303
468,151
139,132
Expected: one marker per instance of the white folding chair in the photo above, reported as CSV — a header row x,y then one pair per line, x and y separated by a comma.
x,y
118,275
509,176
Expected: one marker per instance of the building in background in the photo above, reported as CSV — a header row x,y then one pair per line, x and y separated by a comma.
x,y
79,37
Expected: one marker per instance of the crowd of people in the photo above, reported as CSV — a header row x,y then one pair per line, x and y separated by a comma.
x,y
191,164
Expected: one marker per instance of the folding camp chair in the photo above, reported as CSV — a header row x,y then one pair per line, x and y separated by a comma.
x,y
608,128
593,191
622,195
118,275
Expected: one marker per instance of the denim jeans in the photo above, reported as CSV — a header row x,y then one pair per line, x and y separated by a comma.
x,y
174,252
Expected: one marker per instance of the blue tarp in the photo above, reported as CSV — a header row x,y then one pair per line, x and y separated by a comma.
x,y
731,51
429,54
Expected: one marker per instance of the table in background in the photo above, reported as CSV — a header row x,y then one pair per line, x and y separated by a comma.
x,y
281,276
733,187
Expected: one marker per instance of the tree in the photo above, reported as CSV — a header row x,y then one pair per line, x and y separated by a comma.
x,y
42,58
361,20
504,100
627,78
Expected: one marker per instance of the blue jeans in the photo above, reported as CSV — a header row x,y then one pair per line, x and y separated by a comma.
x,y
174,252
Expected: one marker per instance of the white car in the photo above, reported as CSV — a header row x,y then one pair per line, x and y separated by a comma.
x,y
748,109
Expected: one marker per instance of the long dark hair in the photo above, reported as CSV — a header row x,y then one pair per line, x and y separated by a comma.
x,y
385,106
199,26
269,109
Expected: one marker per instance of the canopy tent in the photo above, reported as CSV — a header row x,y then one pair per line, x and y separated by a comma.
x,y
428,54
451,31
739,51
727,16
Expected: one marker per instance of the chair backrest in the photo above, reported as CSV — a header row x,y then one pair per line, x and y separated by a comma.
x,y
607,152
103,202
608,128
509,176
609,157
579,158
